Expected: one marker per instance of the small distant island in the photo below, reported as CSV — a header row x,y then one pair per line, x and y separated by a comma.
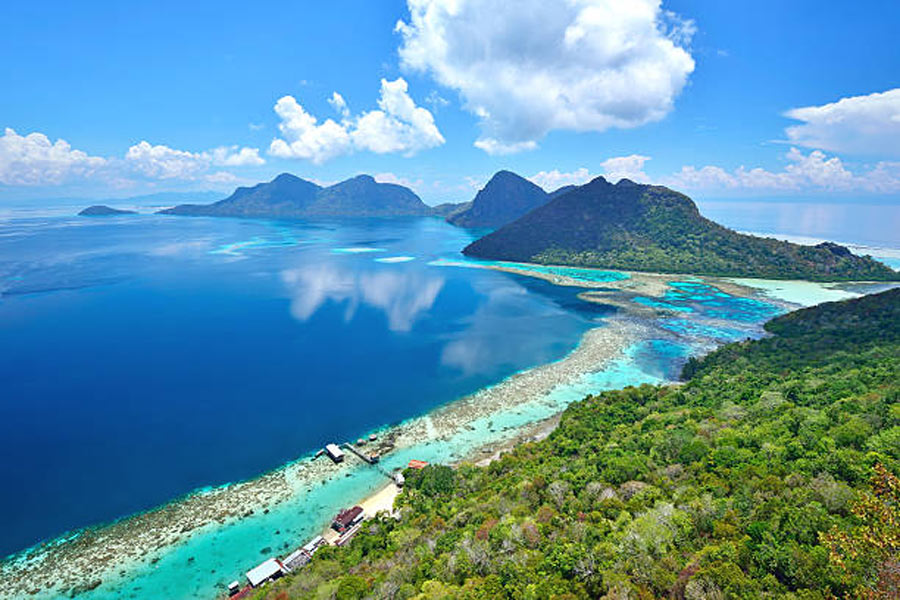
x,y
636,227
102,210
289,196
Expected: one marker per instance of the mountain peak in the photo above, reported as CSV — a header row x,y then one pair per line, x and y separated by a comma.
x,y
632,226
598,181
289,196
504,174
835,249
286,177
506,197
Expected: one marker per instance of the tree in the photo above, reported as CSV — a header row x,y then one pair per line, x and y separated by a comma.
x,y
870,550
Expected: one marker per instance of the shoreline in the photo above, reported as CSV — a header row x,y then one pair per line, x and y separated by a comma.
x,y
86,561
102,561
788,294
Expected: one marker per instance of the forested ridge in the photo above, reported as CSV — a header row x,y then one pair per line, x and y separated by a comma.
x,y
637,227
770,473
290,197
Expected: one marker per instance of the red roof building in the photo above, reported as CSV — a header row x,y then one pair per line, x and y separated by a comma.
x,y
346,519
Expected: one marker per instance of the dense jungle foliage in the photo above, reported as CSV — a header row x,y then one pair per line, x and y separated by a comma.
x,y
770,473
637,227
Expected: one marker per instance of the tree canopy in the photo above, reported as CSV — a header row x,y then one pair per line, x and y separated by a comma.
x,y
770,473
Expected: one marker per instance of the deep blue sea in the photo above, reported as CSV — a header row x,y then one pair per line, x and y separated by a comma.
x,y
142,357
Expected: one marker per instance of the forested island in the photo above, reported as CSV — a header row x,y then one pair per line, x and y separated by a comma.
x,y
625,226
637,227
503,199
102,210
769,474
289,196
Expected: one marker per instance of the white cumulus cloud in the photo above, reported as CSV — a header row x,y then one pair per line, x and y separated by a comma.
x,y
163,162
855,125
815,171
625,167
398,125
495,147
338,103
34,160
555,179
613,169
304,137
234,156
812,171
398,180
529,67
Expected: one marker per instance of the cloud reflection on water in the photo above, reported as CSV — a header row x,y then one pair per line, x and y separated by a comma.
x,y
502,330
403,296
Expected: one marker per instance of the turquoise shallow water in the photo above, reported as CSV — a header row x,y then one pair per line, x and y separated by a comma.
x,y
192,352
697,329
708,301
575,273
212,558
221,319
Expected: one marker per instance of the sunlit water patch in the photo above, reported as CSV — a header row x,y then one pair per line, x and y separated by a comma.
x,y
803,293
579,274
238,248
395,259
576,273
356,250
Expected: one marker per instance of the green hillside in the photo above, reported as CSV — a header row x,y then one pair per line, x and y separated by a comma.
x,y
652,228
751,480
290,197
504,198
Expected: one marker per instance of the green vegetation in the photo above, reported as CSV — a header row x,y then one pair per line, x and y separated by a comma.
x,y
504,198
651,228
768,474
873,544
449,209
289,197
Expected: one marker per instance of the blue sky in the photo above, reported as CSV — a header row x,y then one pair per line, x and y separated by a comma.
x,y
116,99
